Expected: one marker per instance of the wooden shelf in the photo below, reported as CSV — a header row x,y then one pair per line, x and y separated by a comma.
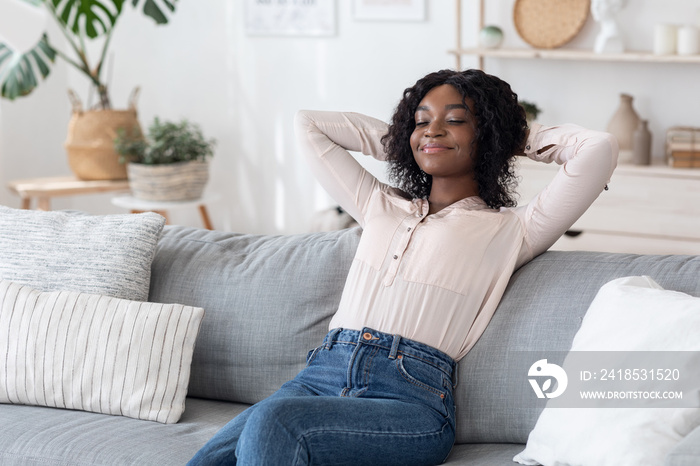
x,y
574,54
656,170
551,54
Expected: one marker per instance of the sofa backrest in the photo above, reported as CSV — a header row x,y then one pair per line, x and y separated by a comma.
x,y
268,301
542,310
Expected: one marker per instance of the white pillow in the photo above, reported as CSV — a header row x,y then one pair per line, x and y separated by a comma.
x,y
627,314
72,251
96,353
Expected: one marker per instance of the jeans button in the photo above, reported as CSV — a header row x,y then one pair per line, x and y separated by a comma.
x,y
367,336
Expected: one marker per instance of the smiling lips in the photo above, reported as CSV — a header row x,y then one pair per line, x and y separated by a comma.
x,y
433,148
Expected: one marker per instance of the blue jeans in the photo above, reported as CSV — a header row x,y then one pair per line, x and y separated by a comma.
x,y
365,397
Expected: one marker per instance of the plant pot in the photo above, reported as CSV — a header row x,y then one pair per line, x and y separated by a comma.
x,y
182,181
90,141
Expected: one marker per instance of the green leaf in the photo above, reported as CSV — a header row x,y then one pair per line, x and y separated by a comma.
x,y
167,142
18,72
156,9
90,17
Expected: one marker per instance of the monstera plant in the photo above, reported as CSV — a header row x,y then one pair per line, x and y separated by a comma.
x,y
89,143
79,21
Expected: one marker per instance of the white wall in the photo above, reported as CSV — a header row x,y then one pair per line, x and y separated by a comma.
x,y
244,90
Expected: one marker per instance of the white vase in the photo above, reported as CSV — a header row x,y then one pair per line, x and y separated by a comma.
x,y
622,125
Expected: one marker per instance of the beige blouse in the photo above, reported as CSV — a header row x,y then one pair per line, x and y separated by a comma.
x,y
438,278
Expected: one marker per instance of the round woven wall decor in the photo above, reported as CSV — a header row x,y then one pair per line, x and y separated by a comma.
x,y
549,24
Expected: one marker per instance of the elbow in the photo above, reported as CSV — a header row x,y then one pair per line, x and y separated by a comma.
x,y
302,121
304,128
606,149
614,148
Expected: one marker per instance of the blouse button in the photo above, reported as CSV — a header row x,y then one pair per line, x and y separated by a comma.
x,y
395,257
408,229
527,147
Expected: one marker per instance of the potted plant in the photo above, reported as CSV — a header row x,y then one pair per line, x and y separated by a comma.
x,y
531,110
90,133
169,164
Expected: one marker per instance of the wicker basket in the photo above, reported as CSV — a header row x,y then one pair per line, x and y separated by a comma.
x,y
549,24
90,140
182,181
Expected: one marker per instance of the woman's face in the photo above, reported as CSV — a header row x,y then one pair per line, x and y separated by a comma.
x,y
443,141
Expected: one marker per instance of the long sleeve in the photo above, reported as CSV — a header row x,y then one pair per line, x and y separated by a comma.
x,y
587,160
325,139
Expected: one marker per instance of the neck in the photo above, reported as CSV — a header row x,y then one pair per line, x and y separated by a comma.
x,y
443,194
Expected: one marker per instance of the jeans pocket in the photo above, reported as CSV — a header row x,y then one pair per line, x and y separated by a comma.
x,y
422,375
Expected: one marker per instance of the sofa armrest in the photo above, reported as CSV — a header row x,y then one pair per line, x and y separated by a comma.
x,y
687,452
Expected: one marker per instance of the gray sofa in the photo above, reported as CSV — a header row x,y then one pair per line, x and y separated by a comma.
x,y
261,293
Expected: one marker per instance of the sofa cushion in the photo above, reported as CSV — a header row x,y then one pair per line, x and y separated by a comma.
x,y
95,353
37,436
108,254
632,322
541,310
483,454
268,300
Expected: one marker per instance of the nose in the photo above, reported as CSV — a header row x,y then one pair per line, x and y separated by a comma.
x,y
434,129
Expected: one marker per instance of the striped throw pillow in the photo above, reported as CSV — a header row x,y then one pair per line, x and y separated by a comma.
x,y
71,350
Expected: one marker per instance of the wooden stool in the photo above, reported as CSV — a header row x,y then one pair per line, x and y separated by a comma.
x,y
43,189
136,205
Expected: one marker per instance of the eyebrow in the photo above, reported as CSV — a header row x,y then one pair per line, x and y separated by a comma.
x,y
447,107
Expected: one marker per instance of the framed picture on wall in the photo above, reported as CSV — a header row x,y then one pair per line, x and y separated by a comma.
x,y
290,17
389,10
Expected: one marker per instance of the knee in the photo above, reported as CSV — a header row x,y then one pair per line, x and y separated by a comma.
x,y
274,431
279,416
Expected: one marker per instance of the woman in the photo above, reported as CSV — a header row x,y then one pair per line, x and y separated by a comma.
x,y
435,256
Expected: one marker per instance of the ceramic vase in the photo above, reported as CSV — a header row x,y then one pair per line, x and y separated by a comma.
x,y
641,144
622,125
491,37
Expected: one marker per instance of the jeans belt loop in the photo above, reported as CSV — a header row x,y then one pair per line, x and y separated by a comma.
x,y
395,347
331,337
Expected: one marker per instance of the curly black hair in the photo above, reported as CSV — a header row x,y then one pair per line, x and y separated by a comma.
x,y
501,131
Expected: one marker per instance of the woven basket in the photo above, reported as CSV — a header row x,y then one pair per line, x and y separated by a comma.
x,y
182,181
549,24
90,140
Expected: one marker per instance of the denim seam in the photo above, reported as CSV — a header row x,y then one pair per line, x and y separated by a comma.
x,y
313,355
368,366
320,431
297,455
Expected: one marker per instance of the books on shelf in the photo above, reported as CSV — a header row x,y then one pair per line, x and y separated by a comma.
x,y
683,147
